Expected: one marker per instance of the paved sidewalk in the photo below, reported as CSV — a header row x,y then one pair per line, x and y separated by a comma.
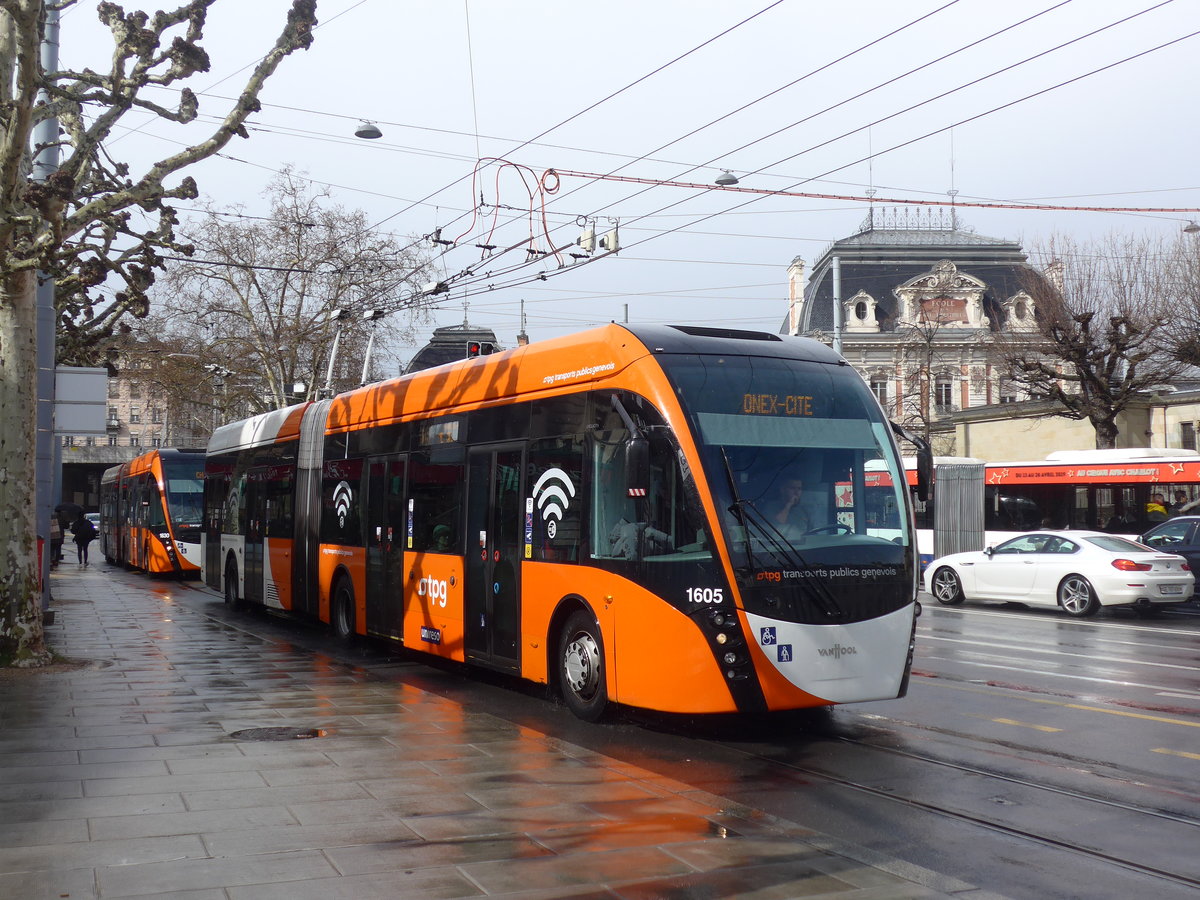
x,y
129,778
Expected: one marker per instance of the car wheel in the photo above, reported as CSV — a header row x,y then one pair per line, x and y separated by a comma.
x,y
231,584
1076,597
946,587
342,612
581,672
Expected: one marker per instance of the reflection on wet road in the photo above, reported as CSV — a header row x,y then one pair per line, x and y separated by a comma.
x,y
1034,756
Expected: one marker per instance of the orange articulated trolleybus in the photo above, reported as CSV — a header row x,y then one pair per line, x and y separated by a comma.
x,y
597,512
150,509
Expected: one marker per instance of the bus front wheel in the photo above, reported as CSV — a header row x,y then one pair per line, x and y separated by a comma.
x,y
581,675
341,613
231,586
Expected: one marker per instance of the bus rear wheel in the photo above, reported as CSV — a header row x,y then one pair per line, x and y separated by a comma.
x,y
581,672
341,612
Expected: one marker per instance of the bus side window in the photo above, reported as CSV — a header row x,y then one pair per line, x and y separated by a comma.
x,y
611,507
341,503
436,490
556,486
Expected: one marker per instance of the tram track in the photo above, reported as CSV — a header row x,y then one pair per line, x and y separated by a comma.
x,y
1044,838
759,754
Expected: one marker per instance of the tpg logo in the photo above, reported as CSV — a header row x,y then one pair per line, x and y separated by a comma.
x,y
435,590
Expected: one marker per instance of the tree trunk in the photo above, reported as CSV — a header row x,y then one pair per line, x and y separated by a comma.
x,y
21,637
1106,433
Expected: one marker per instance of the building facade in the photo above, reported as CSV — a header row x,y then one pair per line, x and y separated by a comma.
x,y
916,303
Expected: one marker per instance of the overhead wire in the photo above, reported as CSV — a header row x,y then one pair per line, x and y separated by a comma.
x,y
602,100
527,279
889,81
936,131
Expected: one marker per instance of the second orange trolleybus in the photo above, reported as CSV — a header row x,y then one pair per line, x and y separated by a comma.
x,y
597,512
150,510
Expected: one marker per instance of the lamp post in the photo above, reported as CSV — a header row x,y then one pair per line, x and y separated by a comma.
x,y
219,374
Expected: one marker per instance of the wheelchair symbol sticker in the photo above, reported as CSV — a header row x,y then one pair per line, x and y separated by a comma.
x,y
767,636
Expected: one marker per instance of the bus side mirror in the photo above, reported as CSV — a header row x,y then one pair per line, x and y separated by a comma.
x,y
924,471
924,461
637,467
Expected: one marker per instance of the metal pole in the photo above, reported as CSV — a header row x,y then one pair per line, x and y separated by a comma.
x,y
45,164
837,305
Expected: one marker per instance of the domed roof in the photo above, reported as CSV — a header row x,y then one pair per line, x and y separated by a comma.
x,y
888,253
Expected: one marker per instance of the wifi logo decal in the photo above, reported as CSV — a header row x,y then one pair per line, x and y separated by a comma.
x,y
343,497
552,494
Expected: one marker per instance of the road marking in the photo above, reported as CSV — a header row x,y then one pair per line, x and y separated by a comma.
x,y
1026,725
992,692
1025,649
1176,753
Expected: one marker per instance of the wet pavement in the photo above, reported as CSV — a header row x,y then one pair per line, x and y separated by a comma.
x,y
192,759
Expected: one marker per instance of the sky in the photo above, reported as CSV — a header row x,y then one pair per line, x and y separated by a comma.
x,y
792,97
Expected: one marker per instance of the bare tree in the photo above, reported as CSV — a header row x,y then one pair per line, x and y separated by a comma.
x,y
267,298
1103,327
1181,294
84,225
926,350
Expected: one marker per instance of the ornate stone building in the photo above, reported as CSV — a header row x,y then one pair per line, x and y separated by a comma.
x,y
921,301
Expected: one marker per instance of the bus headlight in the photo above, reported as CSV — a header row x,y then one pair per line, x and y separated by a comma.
x,y
730,658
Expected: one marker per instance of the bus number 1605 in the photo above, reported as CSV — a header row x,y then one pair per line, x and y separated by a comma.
x,y
705,595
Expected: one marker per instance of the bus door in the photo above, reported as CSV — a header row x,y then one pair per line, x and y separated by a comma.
x,y
216,489
256,522
386,533
495,541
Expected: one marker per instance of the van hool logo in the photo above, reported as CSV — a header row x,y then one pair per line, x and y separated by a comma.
x,y
552,494
837,651
342,498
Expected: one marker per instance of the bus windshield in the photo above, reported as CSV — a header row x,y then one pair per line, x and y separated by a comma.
x,y
185,490
801,461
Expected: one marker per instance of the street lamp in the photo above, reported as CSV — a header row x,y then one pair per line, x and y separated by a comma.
x,y
368,131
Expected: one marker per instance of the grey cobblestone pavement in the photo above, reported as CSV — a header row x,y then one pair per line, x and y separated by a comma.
x,y
142,774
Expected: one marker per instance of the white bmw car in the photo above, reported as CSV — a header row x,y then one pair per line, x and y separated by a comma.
x,y
1079,571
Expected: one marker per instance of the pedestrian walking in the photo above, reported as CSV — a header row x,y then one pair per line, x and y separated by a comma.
x,y
85,533
56,541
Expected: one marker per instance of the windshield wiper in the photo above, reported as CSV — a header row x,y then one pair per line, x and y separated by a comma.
x,y
750,517
783,548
